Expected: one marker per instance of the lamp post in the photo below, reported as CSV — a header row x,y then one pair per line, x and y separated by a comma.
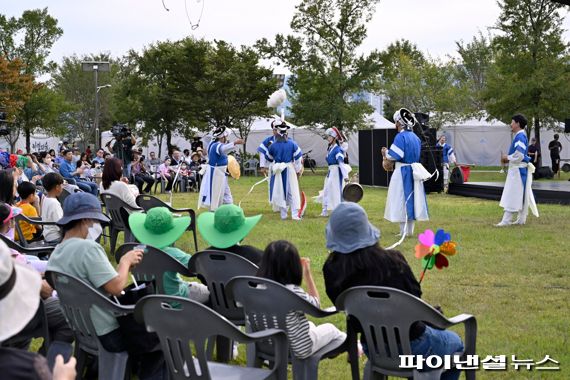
x,y
96,67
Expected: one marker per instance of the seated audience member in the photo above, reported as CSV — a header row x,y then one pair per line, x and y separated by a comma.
x,y
27,193
19,301
51,208
186,158
356,259
140,174
152,161
281,263
113,182
166,174
71,172
225,228
81,256
8,186
158,228
46,163
33,170
51,152
99,156
86,165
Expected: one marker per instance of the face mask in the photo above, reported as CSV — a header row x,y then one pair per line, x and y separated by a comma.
x,y
94,231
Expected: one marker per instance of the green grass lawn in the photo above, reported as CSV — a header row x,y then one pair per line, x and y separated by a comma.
x,y
514,280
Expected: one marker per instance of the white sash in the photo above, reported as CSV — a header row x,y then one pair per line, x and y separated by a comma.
x,y
279,195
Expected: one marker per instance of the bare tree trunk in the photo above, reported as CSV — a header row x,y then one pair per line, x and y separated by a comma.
x,y
28,142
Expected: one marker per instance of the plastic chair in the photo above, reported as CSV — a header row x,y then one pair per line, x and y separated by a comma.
x,y
386,316
216,269
185,329
146,202
40,252
77,298
117,211
153,266
21,218
250,166
266,304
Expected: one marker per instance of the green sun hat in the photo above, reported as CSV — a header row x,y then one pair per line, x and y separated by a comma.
x,y
225,227
158,227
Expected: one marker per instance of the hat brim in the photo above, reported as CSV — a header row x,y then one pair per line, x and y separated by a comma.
x,y
162,240
21,304
85,215
219,239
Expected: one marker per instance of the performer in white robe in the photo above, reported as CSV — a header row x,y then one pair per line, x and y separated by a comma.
x,y
284,156
448,158
263,148
406,200
517,194
214,188
331,195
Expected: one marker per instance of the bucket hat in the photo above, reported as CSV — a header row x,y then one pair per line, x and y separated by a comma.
x,y
82,206
226,226
158,227
348,229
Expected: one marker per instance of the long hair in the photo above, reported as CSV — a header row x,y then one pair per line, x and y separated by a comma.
x,y
371,265
281,263
7,186
112,171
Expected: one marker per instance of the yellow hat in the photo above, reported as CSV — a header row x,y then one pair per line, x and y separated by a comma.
x,y
233,167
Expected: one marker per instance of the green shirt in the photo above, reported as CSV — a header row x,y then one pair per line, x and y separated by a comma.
x,y
86,260
173,284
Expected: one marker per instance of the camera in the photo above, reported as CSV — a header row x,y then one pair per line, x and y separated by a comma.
x,y
120,131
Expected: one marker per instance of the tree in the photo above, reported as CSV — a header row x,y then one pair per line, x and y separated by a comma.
x,y
422,87
234,88
15,90
532,70
328,73
29,38
476,62
156,88
77,88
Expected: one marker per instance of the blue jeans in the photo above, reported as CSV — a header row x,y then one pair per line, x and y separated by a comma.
x,y
439,343
87,186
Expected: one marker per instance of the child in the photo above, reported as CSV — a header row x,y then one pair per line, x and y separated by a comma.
x,y
27,192
281,263
51,209
164,171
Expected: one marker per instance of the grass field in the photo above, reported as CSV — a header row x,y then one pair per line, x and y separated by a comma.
x,y
514,280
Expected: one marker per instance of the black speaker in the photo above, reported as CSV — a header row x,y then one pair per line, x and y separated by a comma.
x,y
544,172
567,126
370,143
432,160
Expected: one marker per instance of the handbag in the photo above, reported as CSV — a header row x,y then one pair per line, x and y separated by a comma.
x,y
135,335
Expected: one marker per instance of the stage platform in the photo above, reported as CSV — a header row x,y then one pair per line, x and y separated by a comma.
x,y
554,192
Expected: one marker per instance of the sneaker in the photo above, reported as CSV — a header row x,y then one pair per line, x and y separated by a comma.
x,y
296,218
502,224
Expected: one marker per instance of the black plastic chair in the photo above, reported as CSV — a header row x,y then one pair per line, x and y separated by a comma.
x,y
216,269
266,304
153,266
146,202
118,212
77,299
40,252
386,316
21,218
186,329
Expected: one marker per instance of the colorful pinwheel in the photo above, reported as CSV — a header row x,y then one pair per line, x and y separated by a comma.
x,y
433,250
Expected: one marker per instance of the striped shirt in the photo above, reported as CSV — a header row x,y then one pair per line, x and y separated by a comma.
x,y
298,325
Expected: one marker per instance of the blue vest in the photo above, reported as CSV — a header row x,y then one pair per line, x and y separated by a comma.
x,y
335,155
215,155
284,151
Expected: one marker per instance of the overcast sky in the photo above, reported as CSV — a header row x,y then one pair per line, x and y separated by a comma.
x,y
116,26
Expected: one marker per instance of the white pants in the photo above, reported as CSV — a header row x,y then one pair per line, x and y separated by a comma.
x,y
508,217
294,212
409,231
198,292
322,335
